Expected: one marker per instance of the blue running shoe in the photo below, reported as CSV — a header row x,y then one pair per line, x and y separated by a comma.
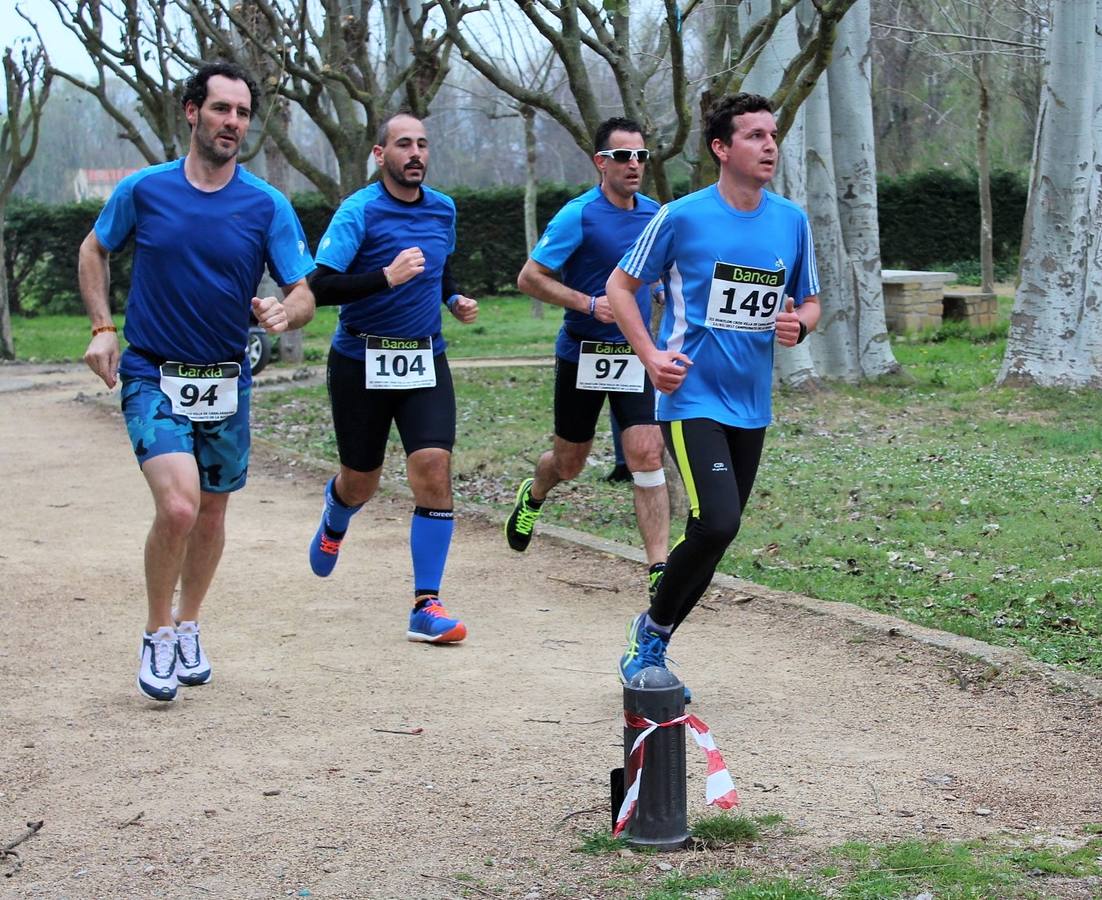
x,y
157,672
326,544
429,621
645,648
688,693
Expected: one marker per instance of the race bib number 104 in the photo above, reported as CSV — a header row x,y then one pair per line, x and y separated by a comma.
x,y
744,299
399,363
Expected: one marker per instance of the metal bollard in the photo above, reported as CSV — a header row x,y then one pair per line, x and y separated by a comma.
x,y
660,820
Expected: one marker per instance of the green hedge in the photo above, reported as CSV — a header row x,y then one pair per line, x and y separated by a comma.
x,y
40,257
933,218
926,219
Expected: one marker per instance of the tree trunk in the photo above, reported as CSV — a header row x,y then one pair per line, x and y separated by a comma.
x,y
7,344
794,367
981,69
531,192
834,345
853,143
1056,328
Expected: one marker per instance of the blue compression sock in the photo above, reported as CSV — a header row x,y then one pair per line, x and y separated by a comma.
x,y
337,514
430,537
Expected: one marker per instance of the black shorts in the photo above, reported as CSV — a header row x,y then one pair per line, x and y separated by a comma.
x,y
361,418
576,411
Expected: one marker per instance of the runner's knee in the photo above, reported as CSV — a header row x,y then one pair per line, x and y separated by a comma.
x,y
649,479
569,467
569,458
714,530
177,512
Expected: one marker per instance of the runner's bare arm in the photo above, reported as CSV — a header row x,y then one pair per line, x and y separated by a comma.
x,y
538,281
666,368
94,275
295,311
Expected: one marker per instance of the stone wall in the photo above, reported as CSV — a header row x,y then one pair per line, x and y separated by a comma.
x,y
973,307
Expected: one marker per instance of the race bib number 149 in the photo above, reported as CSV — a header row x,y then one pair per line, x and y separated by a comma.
x,y
744,299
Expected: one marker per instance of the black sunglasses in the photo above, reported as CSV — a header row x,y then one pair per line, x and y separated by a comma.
x,y
623,156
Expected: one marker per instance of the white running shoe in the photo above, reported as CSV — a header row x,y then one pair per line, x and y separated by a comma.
x,y
157,672
192,665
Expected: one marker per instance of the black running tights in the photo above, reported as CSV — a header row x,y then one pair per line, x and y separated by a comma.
x,y
718,465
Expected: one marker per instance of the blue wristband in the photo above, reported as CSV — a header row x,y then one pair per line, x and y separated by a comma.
x,y
593,304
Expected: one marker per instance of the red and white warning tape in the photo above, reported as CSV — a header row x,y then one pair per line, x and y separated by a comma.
x,y
719,789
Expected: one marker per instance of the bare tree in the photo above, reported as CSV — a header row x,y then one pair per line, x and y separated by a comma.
x,y
27,78
1056,327
131,42
969,37
347,65
588,37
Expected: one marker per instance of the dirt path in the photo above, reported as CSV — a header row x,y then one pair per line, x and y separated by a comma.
x,y
279,777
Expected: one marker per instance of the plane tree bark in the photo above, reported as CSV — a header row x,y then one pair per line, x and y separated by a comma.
x,y
1055,335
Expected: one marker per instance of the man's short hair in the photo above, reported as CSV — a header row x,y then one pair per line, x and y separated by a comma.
x,y
720,123
616,123
195,88
384,126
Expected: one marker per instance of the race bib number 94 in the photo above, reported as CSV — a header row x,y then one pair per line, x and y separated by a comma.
x,y
399,363
744,299
609,367
203,393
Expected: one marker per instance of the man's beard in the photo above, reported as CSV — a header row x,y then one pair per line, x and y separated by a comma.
x,y
398,173
208,147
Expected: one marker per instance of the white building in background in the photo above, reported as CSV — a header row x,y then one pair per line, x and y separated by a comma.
x,y
91,184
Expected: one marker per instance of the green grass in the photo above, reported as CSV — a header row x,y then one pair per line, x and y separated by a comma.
x,y
996,869
599,842
53,338
724,831
505,327
945,501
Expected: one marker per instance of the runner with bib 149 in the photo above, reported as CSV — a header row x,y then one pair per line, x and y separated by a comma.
x,y
739,267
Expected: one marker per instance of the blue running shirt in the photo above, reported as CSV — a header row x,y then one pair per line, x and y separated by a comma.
x,y
583,243
703,247
368,230
198,258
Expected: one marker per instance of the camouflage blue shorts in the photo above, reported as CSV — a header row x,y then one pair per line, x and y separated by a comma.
x,y
221,449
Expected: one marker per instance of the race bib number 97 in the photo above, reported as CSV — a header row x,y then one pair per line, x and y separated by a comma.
x,y
609,367
744,299
399,363
203,393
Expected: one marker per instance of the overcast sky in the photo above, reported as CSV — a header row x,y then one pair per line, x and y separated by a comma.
x,y
65,50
